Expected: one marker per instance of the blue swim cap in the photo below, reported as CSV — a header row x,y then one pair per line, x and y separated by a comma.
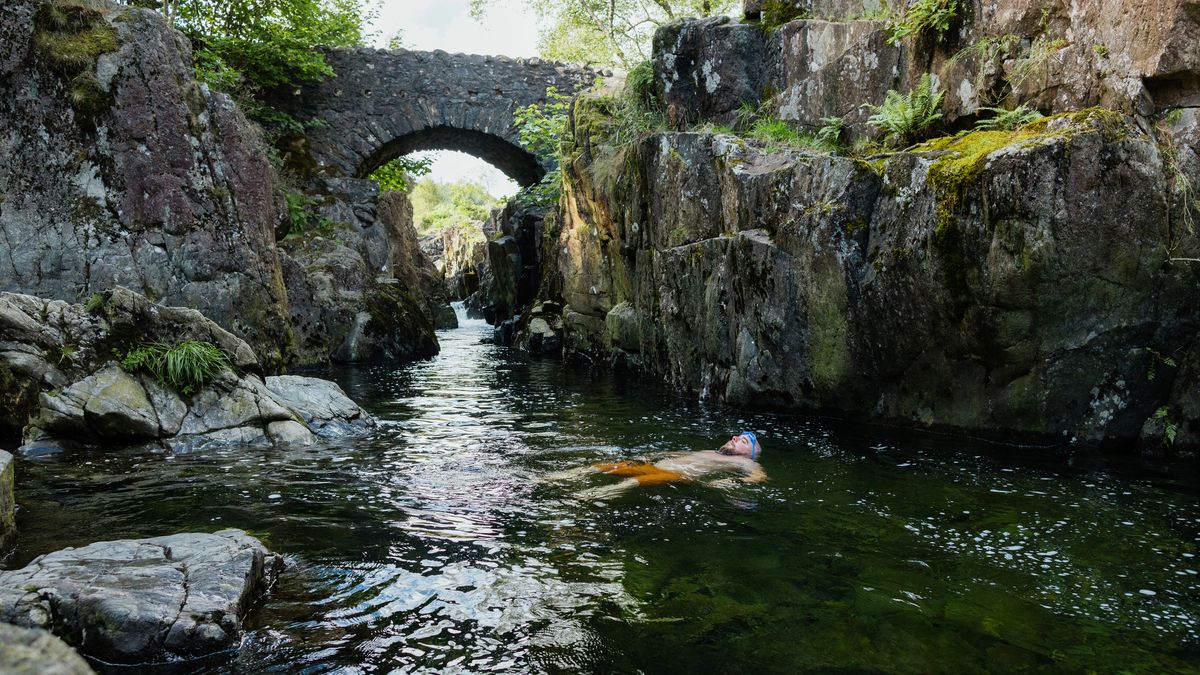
x,y
754,446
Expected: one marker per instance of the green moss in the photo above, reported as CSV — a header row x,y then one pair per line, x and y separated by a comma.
x,y
71,38
965,156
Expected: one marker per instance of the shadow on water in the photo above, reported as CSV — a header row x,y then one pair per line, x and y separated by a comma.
x,y
433,546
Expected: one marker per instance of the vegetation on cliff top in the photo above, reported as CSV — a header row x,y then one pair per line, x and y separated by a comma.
x,y
605,32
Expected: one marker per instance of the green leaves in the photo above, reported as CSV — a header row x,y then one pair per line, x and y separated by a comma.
x,y
605,32
437,206
921,15
903,116
398,174
186,367
542,125
1008,120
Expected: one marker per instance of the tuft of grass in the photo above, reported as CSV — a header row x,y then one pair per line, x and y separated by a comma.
x,y
1008,120
94,302
904,116
919,16
186,367
70,38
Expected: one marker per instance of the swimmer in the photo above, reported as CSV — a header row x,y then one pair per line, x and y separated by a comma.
x,y
740,454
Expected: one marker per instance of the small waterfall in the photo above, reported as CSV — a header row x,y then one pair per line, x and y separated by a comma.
x,y
464,321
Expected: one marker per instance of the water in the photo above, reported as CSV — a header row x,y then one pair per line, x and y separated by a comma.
x,y
434,547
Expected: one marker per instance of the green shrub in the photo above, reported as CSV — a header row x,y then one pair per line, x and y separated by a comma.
x,y
640,84
398,174
1008,120
903,116
186,367
921,15
303,217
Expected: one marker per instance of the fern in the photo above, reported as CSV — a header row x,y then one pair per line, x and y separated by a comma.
x,y
1008,120
922,15
903,116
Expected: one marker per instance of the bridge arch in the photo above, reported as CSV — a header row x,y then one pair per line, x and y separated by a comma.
x,y
382,104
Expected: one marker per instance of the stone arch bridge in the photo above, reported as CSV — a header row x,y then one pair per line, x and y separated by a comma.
x,y
383,104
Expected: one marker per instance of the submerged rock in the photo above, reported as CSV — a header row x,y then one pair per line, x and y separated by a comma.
x,y
147,600
33,651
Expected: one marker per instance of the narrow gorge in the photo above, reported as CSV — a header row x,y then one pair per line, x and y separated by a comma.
x,y
938,256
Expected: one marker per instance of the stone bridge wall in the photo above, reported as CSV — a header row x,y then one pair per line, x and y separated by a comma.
x,y
386,103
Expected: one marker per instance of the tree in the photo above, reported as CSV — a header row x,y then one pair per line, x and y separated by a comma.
x,y
606,32
246,47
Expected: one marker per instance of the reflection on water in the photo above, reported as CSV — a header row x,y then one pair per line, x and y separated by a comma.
x,y
433,547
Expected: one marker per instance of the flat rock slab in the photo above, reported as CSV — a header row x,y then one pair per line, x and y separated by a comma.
x,y
146,600
324,406
33,651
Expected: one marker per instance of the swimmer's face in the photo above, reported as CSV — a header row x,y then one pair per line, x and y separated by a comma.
x,y
738,445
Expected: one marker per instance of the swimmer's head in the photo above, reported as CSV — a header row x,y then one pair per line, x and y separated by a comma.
x,y
744,444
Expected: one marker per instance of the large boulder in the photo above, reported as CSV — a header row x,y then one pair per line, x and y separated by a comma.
x,y
118,169
146,600
361,290
323,405
1136,56
33,651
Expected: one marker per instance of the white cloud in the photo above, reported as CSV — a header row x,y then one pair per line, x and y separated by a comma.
x,y
509,28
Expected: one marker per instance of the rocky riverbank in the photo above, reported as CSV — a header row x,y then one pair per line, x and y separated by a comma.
x,y
121,170
1030,285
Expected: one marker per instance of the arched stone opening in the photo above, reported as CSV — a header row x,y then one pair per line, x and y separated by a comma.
x,y
513,160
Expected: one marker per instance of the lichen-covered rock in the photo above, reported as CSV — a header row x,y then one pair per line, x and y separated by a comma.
x,y
324,406
8,506
33,651
1012,284
1136,56
123,171
146,600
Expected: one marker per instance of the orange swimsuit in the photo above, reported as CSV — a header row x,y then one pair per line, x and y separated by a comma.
x,y
644,472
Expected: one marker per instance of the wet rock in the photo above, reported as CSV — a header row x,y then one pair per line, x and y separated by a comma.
x,y
324,406
33,651
1007,286
143,601
8,506
63,365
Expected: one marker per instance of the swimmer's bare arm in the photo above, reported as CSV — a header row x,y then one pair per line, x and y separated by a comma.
x,y
754,474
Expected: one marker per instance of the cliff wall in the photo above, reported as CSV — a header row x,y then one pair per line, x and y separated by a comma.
x,y
1027,285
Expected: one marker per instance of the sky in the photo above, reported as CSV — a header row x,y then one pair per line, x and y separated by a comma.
x,y
447,24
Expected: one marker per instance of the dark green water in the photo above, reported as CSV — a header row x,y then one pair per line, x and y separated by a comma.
x,y
434,547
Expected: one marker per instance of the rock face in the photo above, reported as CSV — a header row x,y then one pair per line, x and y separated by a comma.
x,y
463,256
8,506
124,171
33,651
1135,56
360,290
143,601
62,360
1013,284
